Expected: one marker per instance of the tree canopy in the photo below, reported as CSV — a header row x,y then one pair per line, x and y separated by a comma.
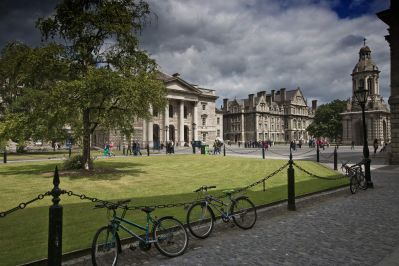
x,y
89,72
327,121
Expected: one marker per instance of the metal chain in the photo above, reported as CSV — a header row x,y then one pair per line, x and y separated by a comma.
x,y
316,176
294,154
326,157
248,152
23,205
261,180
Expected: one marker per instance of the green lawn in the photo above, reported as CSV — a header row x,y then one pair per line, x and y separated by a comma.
x,y
145,180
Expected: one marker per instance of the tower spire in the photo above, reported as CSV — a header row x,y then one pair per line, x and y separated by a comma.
x,y
364,41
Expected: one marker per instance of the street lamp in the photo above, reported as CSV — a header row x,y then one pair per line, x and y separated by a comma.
x,y
361,96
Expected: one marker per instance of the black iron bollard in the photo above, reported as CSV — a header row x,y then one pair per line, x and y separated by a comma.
x,y
291,185
335,159
148,150
263,153
55,224
318,153
5,156
224,150
193,149
123,150
69,152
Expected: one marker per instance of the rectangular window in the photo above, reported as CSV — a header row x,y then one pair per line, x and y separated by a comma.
x,y
204,137
218,133
203,106
204,121
218,121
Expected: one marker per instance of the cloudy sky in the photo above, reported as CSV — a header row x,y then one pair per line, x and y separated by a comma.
x,y
238,47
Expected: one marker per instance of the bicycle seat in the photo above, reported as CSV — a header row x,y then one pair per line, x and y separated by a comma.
x,y
147,209
228,191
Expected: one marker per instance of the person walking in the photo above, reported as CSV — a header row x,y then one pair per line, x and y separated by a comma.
x,y
352,145
375,144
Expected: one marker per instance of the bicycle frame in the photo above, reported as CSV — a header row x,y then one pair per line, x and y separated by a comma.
x,y
117,221
209,199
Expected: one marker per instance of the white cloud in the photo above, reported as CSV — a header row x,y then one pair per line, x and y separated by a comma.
x,y
241,47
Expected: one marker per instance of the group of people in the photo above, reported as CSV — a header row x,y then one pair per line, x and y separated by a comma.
x,y
257,144
217,146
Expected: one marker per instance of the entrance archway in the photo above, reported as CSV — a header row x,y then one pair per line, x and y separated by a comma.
x,y
384,131
186,132
156,136
172,133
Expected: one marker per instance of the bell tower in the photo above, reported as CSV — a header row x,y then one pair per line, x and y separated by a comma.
x,y
365,74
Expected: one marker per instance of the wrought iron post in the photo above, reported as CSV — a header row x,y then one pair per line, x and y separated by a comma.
x,y
5,155
69,152
263,152
148,149
224,149
123,150
318,153
291,185
55,224
335,159
193,148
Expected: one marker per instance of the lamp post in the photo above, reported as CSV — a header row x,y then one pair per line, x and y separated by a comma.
x,y
361,96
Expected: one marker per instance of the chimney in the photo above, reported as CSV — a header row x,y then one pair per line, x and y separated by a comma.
x,y
251,100
273,94
261,93
314,105
225,104
282,95
176,75
269,100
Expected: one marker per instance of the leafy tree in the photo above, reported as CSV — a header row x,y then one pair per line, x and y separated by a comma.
x,y
27,75
327,121
108,80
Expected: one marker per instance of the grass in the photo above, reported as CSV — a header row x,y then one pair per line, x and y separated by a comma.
x,y
145,180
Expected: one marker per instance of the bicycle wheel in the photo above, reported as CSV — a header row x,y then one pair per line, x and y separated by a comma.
x,y
200,220
243,212
171,236
354,184
105,247
362,181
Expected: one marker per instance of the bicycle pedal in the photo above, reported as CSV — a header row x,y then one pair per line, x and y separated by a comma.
x,y
132,247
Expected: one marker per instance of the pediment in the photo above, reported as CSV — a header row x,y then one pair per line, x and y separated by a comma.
x,y
179,85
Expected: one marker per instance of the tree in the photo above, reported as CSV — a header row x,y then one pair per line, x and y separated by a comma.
x,y
26,77
327,121
111,81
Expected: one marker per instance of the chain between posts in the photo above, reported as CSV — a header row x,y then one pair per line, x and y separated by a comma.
x,y
326,157
316,176
23,205
261,180
296,154
248,152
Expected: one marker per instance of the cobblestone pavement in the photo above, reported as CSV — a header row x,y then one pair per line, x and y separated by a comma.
x,y
334,229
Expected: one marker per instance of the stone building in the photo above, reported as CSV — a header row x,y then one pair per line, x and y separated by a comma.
x,y
189,115
280,116
392,20
365,74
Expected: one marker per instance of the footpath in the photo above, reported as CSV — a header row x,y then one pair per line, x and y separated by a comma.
x,y
328,229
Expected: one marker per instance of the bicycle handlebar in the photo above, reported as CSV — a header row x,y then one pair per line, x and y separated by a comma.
x,y
204,188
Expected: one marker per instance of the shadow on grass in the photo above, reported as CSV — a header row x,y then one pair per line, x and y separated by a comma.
x,y
24,233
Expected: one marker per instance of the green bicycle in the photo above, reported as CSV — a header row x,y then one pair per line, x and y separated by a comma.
x,y
168,235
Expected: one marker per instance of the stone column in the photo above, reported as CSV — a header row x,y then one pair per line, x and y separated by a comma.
x,y
145,122
391,18
181,124
242,128
150,131
166,124
195,120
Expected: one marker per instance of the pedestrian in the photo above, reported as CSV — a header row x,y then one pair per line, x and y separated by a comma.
x,y
138,148
375,144
352,145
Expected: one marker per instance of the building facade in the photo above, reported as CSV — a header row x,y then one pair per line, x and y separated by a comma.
x,y
280,116
190,114
366,75
388,16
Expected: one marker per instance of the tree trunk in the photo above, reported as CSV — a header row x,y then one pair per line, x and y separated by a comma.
x,y
86,140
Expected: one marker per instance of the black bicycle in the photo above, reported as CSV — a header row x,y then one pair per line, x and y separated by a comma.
x,y
356,176
201,218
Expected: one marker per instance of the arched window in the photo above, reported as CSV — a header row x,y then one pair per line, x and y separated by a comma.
x,y
170,110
